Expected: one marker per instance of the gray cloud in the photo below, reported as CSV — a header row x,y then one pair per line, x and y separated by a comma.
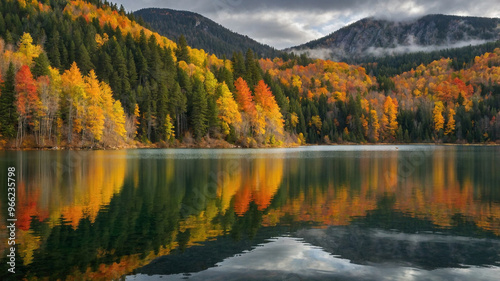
x,y
286,23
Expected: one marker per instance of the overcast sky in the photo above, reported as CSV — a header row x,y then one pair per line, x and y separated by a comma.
x,y
286,23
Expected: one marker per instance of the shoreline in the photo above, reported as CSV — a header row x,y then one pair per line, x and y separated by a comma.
x,y
230,146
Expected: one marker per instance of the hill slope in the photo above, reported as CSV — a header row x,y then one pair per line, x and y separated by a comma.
x,y
370,36
202,33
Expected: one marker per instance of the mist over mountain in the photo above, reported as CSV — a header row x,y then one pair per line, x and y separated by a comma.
x,y
202,33
381,37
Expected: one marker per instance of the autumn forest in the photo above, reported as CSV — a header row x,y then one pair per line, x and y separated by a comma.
x,y
87,74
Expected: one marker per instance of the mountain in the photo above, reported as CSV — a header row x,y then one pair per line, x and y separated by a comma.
x,y
378,37
202,33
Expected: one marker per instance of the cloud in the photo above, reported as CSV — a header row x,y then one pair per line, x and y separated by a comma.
x,y
320,53
279,30
301,21
402,49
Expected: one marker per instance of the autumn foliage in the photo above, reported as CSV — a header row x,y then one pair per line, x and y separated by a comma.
x,y
87,105
117,82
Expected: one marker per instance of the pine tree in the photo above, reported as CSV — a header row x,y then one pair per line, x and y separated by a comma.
x,y
212,114
178,106
2,25
239,69
8,112
162,112
41,66
182,51
200,110
252,75
169,67
84,61
132,71
71,52
104,67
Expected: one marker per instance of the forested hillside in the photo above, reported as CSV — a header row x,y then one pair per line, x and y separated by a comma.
x,y
86,74
202,33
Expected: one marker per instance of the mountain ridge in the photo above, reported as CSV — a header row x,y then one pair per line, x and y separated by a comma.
x,y
202,32
372,36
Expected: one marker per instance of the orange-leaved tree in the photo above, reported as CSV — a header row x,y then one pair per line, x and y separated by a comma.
x,y
273,117
27,100
247,106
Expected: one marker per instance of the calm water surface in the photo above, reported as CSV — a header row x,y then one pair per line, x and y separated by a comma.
x,y
313,213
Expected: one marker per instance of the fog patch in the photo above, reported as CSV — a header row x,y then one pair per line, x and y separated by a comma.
x,y
320,53
413,48
338,54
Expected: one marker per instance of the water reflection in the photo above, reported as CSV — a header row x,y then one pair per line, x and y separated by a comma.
x,y
288,258
103,214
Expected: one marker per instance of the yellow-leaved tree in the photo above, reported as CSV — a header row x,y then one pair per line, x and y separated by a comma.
x,y
94,115
27,50
228,110
450,125
437,115
74,96
390,116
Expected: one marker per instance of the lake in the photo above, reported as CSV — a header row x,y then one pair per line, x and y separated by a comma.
x,y
381,212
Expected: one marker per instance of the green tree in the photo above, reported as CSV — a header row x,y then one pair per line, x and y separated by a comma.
x,y
178,106
53,50
200,110
239,69
162,112
8,112
41,66
84,61
182,51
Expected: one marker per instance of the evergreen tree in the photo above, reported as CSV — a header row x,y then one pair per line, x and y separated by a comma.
x,y
2,25
105,68
8,111
41,65
84,62
132,71
178,106
252,75
72,52
53,50
182,51
212,114
238,66
200,110
162,112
